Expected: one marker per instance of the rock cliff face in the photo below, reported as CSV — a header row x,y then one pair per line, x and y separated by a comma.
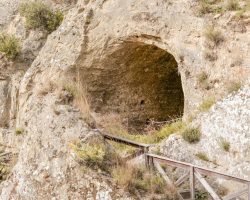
x,y
140,59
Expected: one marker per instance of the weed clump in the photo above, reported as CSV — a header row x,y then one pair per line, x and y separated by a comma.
x,y
95,155
9,45
213,35
39,15
202,156
138,178
233,86
203,80
191,135
19,131
207,104
225,145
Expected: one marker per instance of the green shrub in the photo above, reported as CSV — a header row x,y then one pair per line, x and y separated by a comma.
x,y
96,156
191,135
19,131
203,80
213,35
202,156
207,104
225,145
91,155
9,45
39,15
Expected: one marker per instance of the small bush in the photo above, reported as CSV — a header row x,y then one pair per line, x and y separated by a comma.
x,y
39,15
232,5
202,156
19,131
96,156
225,145
207,104
9,45
203,80
91,155
191,135
233,86
213,35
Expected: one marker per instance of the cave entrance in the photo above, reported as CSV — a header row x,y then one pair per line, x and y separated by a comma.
x,y
140,82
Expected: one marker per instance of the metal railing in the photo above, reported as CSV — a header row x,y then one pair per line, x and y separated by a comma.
x,y
193,172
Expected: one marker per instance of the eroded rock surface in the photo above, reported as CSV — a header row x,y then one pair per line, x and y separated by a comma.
x,y
85,46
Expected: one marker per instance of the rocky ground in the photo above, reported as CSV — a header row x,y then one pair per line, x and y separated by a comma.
x,y
86,45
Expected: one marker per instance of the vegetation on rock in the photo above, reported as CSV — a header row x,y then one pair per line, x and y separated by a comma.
x,y
224,144
39,15
137,178
202,156
233,86
9,45
207,104
213,35
203,80
19,131
191,135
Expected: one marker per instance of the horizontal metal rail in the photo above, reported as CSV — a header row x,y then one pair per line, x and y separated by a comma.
x,y
201,170
197,172
125,141
151,160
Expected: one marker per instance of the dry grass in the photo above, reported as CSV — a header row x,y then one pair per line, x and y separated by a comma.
x,y
225,145
203,80
233,86
191,135
138,179
202,156
207,104
9,45
232,5
95,155
79,97
213,35
113,124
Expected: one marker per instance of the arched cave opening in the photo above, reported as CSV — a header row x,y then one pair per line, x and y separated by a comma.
x,y
137,81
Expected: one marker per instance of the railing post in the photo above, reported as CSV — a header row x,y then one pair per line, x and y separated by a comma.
x,y
145,151
192,183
